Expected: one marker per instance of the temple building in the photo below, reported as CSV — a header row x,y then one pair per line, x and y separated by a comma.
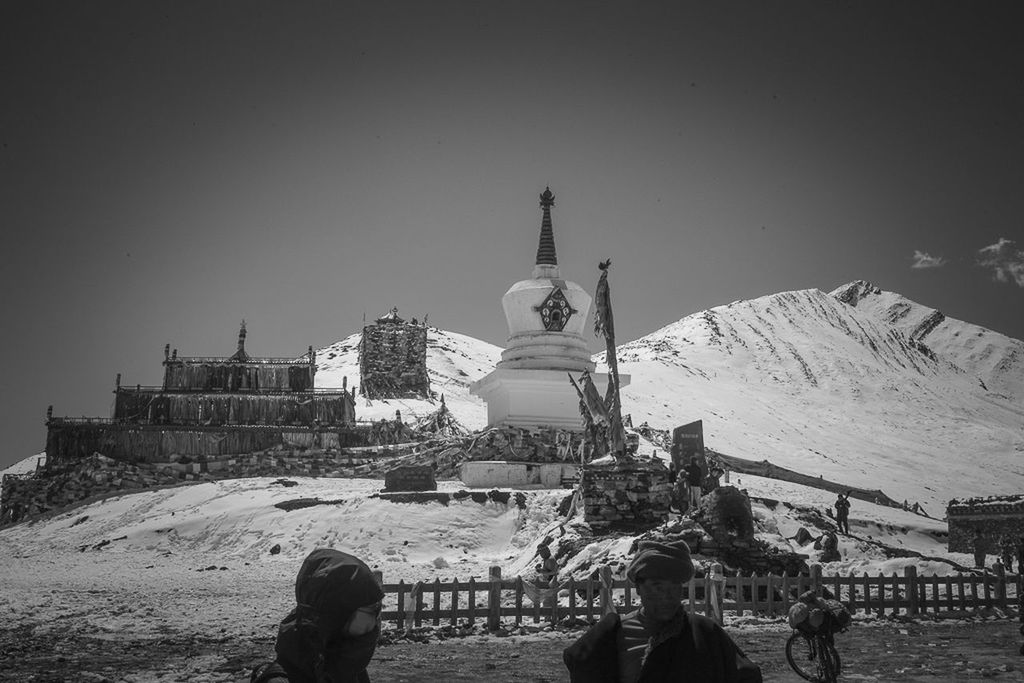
x,y
211,407
546,316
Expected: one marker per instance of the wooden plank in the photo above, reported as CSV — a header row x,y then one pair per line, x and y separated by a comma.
x,y
987,587
974,592
880,611
472,601
738,580
401,604
572,599
785,593
935,593
770,584
867,594
753,594
437,602
455,602
519,601
949,594
895,594
590,598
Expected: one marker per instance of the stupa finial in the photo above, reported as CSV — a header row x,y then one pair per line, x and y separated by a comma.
x,y
546,249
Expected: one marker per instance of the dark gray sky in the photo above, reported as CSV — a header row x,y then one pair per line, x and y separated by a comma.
x,y
168,169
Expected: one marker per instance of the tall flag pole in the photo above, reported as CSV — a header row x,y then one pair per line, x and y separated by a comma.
x,y
604,325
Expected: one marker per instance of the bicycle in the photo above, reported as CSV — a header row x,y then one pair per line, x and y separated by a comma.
x,y
813,656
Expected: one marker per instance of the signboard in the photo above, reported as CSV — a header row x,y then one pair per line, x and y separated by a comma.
x,y
687,442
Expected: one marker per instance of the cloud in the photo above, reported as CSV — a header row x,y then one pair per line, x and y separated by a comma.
x,y
923,259
1005,260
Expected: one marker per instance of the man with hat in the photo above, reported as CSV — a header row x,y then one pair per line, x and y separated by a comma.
x,y
660,641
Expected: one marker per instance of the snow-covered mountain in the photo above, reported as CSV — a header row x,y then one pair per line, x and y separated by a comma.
x,y
858,385
839,385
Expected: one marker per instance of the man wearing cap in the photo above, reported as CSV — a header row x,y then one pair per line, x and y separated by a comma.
x,y
660,641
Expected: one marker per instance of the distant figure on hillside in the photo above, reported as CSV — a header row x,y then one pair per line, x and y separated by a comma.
x,y
694,474
714,477
842,506
980,549
547,569
332,632
1006,548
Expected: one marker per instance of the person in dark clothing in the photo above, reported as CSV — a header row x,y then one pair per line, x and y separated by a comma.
x,y
331,634
660,641
842,506
980,549
694,477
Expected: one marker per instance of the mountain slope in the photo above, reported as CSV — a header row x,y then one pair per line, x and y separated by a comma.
x,y
823,387
995,359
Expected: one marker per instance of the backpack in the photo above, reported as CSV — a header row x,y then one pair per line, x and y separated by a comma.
x,y
841,617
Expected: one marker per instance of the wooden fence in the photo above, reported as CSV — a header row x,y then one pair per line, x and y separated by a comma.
x,y
495,600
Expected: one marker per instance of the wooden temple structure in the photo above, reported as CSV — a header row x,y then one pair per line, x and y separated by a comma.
x,y
212,407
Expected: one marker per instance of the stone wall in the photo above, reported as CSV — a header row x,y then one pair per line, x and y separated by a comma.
x,y
999,518
520,444
631,494
55,488
393,361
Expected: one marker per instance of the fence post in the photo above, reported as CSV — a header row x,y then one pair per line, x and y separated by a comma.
x,y
1000,572
606,589
910,571
494,600
816,579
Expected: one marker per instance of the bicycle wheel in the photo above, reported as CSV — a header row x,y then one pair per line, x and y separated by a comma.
x,y
830,662
802,655
828,646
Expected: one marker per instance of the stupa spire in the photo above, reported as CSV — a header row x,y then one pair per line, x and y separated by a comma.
x,y
546,249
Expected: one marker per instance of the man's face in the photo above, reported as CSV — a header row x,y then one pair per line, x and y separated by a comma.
x,y
660,597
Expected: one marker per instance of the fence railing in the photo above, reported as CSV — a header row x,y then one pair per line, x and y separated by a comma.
x,y
220,360
495,600
154,389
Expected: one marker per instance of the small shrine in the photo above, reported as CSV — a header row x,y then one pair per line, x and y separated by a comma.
x,y
546,316
393,358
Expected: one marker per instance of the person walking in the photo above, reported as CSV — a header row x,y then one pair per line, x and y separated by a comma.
x,y
842,506
694,475
980,549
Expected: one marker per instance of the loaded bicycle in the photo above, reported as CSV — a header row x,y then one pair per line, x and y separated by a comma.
x,y
811,649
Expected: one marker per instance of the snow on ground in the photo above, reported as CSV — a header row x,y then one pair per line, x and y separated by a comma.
x,y
199,556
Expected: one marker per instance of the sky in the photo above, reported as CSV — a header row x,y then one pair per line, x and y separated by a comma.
x,y
169,169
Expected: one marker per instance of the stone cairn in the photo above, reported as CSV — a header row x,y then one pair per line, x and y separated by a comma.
x,y
627,493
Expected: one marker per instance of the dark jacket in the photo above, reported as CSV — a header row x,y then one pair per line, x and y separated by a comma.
x,y
694,474
311,644
701,653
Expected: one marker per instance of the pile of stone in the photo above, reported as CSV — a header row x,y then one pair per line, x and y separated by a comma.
x,y
628,494
525,445
393,360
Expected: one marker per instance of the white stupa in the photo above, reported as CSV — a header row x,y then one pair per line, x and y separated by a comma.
x,y
546,316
